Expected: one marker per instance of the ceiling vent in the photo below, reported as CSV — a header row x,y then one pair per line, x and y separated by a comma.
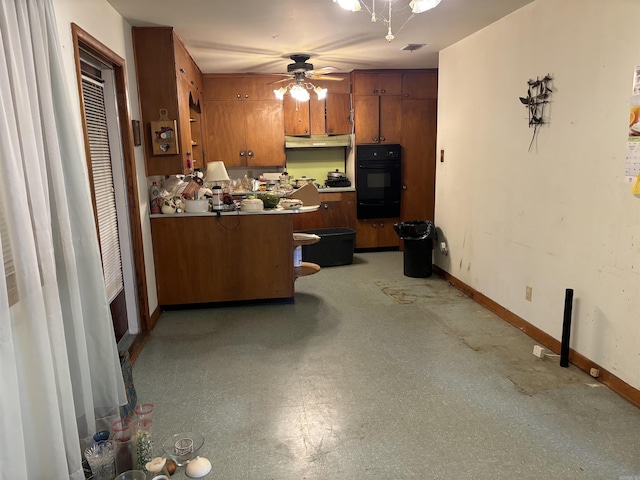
x,y
413,46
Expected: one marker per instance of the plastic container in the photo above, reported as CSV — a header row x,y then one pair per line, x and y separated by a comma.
x,y
334,248
216,202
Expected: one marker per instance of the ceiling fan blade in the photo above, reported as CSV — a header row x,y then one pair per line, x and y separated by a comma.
x,y
325,77
286,79
327,69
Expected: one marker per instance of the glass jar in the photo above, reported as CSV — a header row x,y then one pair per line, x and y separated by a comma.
x,y
142,444
121,437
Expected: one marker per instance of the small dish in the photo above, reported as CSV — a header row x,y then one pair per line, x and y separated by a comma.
x,y
174,447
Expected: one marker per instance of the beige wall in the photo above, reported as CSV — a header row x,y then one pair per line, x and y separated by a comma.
x,y
101,21
559,216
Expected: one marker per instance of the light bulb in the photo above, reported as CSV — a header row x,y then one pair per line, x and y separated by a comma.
x,y
353,5
280,93
419,6
321,92
300,93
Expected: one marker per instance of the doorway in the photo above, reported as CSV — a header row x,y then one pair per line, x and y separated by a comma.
x,y
112,175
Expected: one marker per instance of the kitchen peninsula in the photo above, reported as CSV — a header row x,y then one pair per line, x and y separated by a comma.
x,y
205,258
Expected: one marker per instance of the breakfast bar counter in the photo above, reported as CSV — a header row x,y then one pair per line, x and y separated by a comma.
x,y
203,258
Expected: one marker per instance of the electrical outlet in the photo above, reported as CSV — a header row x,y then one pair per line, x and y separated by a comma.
x,y
528,293
538,351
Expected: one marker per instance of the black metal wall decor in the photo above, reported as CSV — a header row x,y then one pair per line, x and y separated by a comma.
x,y
538,95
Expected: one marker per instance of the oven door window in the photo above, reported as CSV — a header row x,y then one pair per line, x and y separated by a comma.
x,y
378,182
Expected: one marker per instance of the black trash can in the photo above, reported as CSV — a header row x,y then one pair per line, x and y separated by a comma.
x,y
418,236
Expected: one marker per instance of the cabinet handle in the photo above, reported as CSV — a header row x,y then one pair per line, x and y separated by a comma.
x,y
182,70
404,187
406,95
381,225
192,82
306,131
250,153
375,91
242,153
383,91
326,206
246,95
375,139
382,139
238,96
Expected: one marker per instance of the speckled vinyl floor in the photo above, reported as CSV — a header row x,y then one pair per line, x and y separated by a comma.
x,y
374,375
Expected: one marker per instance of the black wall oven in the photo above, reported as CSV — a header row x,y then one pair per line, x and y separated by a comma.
x,y
378,181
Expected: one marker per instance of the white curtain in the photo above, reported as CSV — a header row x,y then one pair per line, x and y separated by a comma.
x,y
59,368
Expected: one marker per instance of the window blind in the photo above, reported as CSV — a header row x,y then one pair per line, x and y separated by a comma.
x,y
102,177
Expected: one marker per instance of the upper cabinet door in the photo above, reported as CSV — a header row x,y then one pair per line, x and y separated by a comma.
x,y
222,87
224,135
367,117
377,83
297,116
264,139
338,116
420,85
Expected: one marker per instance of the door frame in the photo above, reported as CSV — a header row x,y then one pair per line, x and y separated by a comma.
x,y
86,42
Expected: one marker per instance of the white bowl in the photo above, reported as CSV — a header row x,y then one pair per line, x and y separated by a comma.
x,y
251,205
196,206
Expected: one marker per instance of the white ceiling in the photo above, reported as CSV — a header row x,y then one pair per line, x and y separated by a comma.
x,y
237,36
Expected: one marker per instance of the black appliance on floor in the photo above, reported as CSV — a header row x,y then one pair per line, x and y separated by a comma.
x,y
378,181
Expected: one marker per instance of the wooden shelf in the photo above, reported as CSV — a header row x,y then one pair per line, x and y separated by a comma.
x,y
306,268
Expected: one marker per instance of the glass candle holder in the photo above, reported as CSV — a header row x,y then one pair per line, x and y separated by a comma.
x,y
101,459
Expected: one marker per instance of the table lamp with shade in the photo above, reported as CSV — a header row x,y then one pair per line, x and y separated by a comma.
x,y
216,174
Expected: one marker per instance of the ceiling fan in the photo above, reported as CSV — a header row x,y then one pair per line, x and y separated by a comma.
x,y
297,74
301,70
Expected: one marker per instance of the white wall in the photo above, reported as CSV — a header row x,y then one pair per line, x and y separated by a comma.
x,y
101,21
559,216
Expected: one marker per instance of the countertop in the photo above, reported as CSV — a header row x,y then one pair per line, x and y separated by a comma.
x,y
266,211
320,190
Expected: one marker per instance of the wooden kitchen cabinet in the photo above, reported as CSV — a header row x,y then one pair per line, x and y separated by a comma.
x,y
202,259
168,79
377,106
243,121
418,159
376,233
377,118
331,116
337,210
420,85
377,83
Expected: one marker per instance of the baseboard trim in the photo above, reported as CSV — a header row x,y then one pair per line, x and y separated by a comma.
x,y
616,384
141,338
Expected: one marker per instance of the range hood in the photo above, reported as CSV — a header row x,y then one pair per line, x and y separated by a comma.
x,y
317,141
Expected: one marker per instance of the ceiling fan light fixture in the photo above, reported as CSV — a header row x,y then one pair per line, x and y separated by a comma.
x,y
280,92
300,93
320,92
419,6
353,5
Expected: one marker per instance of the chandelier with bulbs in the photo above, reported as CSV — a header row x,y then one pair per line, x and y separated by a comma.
x,y
416,6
